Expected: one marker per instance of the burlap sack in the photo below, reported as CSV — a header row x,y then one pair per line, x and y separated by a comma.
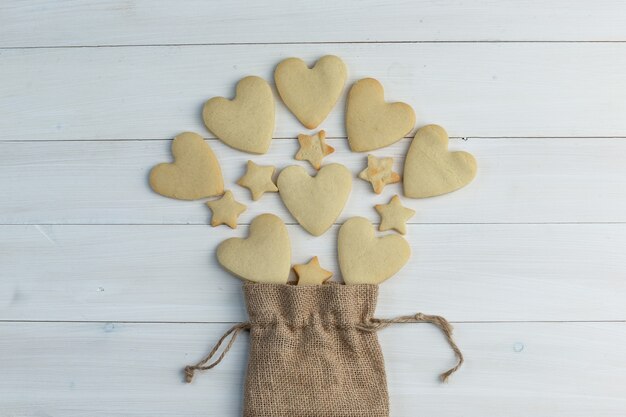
x,y
314,351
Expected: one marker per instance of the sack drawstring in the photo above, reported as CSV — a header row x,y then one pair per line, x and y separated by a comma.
x,y
443,324
372,325
191,369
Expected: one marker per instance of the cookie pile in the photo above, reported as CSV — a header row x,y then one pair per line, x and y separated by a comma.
x,y
246,123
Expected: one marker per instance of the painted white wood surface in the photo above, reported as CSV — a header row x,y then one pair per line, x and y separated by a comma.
x,y
520,180
472,89
168,273
121,369
107,290
123,22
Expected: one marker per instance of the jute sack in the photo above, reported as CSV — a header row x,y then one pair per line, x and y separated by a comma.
x,y
314,351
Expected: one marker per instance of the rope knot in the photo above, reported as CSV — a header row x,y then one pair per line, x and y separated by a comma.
x,y
189,371
202,365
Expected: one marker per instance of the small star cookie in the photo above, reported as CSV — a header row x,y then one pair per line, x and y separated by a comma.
x,y
312,273
258,179
313,148
379,173
225,210
394,215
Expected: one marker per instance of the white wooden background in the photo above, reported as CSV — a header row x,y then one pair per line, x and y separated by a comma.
x,y
107,290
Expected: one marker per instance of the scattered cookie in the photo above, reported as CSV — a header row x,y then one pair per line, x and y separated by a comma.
x,y
195,172
265,256
225,210
258,179
245,122
431,170
394,215
365,258
312,273
315,202
313,148
379,173
372,123
310,94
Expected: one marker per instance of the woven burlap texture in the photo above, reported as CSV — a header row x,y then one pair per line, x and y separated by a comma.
x,y
307,356
314,351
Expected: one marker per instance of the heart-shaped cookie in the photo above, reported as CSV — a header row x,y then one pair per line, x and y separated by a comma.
x,y
365,258
265,256
195,172
315,202
430,169
245,122
372,123
310,94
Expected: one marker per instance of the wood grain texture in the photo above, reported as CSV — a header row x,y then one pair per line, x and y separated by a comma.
x,y
86,248
472,89
123,22
519,181
169,273
121,369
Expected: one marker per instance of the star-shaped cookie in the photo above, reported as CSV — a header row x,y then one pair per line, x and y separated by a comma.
x,y
225,210
394,215
313,148
258,179
311,273
379,173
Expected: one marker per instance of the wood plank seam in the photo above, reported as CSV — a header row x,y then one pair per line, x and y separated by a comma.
x,y
159,45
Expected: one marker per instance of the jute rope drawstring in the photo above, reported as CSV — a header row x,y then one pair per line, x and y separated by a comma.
x,y
372,325
443,324
191,369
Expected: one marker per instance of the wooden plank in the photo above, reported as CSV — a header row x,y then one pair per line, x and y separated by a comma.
x,y
519,180
473,89
123,22
169,273
118,369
